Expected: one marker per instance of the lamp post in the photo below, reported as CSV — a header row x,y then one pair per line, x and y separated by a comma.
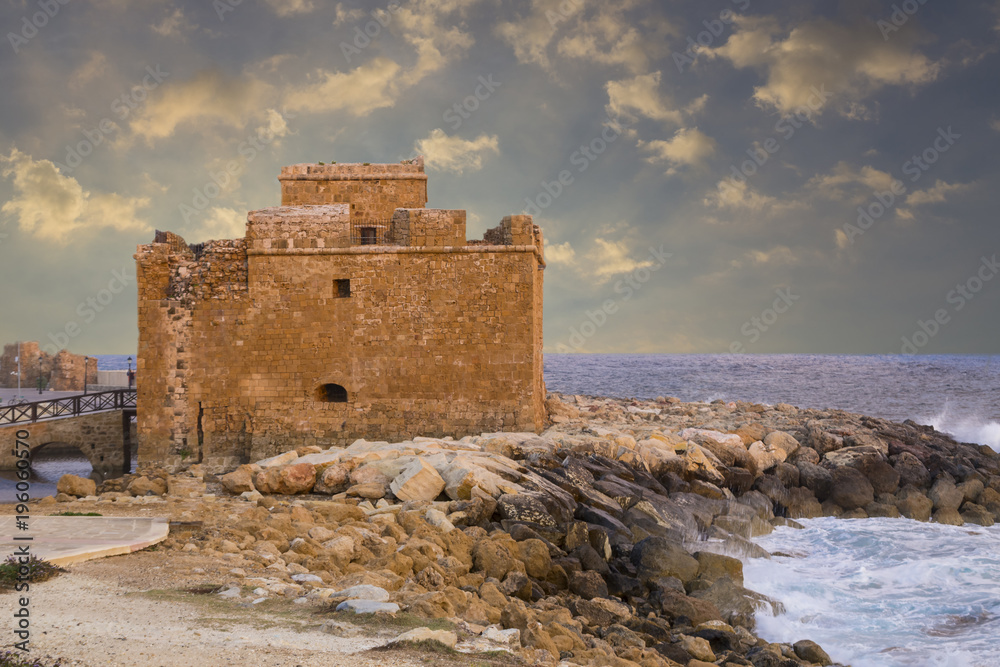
x,y
85,361
18,368
129,372
40,373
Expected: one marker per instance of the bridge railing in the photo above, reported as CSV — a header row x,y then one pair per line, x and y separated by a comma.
x,y
69,406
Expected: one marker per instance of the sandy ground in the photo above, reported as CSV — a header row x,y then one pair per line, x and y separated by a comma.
x,y
132,610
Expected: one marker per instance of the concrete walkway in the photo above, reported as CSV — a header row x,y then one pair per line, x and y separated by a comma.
x,y
64,540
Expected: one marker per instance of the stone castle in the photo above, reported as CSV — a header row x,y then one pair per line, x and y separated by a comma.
x,y
350,311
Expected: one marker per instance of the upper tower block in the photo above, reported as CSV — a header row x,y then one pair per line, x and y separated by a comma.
x,y
373,191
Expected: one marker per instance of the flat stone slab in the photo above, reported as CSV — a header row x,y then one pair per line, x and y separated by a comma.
x,y
64,540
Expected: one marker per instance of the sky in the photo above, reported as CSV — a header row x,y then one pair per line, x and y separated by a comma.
x,y
724,176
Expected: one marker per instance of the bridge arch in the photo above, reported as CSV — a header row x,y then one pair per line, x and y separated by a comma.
x,y
100,437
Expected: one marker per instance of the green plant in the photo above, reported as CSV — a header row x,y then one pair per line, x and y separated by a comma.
x,y
366,164
184,453
38,570
321,162
77,514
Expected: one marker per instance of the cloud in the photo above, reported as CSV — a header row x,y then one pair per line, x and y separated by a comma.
x,y
291,7
209,99
851,61
174,25
689,146
531,35
371,86
92,68
936,194
995,124
735,195
56,208
455,154
776,256
220,223
607,38
426,25
560,253
342,15
640,95
849,183
611,258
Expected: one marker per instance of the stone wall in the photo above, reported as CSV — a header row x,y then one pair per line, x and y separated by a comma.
x,y
373,191
60,372
100,436
429,334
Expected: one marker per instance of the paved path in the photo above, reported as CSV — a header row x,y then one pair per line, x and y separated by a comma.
x,y
64,540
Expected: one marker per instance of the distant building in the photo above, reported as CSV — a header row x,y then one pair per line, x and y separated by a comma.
x,y
62,371
351,311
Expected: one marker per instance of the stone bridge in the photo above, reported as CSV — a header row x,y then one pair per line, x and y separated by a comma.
x,y
103,437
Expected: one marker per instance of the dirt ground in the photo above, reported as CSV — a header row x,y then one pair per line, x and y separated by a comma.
x,y
157,608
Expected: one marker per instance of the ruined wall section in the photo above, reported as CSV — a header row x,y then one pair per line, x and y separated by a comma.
x,y
62,371
428,228
175,282
373,191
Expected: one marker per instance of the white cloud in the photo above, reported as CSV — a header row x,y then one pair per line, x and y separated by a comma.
x,y
560,253
851,62
689,146
531,35
209,99
640,95
735,195
56,208
92,68
611,258
936,194
371,86
455,154
220,223
995,124
291,7
848,183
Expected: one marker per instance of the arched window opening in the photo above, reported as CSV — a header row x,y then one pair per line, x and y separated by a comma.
x,y
332,393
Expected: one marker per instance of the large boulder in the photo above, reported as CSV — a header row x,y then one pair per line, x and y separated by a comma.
x,y
913,504
883,477
766,456
147,486
657,558
333,479
419,481
79,487
817,479
851,489
945,495
240,480
911,471
860,458
783,441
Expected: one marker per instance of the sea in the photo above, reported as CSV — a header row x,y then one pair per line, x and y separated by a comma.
x,y
872,592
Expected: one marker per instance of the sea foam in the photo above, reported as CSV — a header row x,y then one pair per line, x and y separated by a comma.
x,y
885,592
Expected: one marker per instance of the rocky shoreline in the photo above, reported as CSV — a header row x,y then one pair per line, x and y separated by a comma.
x,y
613,538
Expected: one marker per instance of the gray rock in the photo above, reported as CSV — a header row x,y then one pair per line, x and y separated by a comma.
x,y
945,495
368,607
851,489
362,592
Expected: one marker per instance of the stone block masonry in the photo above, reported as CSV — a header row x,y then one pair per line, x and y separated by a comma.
x,y
351,311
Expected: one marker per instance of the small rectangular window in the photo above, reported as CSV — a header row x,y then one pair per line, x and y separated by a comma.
x,y
342,288
369,235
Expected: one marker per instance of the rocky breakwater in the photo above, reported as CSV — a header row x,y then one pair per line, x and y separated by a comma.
x,y
613,538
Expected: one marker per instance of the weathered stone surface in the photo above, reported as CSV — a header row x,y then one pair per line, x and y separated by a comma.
x,y
333,479
851,489
977,514
183,486
945,495
239,480
811,652
766,457
948,516
602,612
279,461
911,471
146,486
368,607
420,481
914,505
657,558
816,478
363,592
524,507
79,487
783,441
588,585
446,637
